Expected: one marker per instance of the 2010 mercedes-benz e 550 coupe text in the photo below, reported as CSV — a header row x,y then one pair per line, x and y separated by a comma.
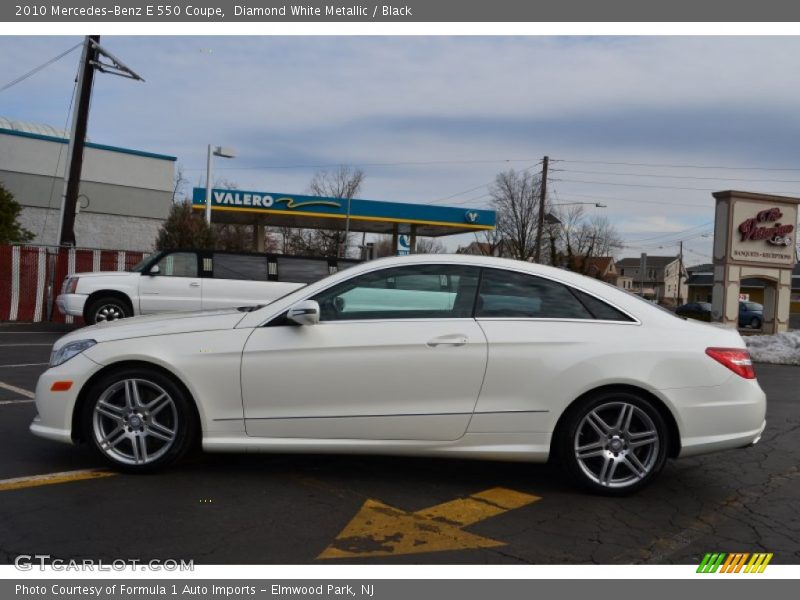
x,y
423,355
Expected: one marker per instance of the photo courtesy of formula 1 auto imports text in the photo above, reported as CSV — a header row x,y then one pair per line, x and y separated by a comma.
x,y
329,300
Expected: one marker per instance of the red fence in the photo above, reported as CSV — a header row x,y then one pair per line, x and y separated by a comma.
x,y
31,277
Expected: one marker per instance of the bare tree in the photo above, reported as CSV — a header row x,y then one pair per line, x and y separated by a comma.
x,y
344,183
429,246
582,238
488,243
515,196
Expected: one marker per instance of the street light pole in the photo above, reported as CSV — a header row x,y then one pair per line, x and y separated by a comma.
x,y
214,151
208,186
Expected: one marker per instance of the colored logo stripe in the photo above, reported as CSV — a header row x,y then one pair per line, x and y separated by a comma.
x,y
734,562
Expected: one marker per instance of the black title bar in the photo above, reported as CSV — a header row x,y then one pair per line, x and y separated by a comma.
x,y
464,11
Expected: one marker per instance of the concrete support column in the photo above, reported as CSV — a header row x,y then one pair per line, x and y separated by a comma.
x,y
395,235
259,232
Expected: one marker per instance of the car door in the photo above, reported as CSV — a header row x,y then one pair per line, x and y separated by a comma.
x,y
175,287
396,355
539,334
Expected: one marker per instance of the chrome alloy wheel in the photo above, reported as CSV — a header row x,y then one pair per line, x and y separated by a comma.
x,y
135,422
616,444
109,312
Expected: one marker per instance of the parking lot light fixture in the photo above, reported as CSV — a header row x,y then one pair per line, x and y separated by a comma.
x,y
223,152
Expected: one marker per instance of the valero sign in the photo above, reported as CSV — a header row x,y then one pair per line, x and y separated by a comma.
x,y
257,200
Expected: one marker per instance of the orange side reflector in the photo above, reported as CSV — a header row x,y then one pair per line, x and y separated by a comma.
x,y
60,386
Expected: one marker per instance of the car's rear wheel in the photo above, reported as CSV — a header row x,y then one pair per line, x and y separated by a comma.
x,y
139,420
755,323
613,443
107,308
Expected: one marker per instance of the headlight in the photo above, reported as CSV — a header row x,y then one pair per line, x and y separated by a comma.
x,y
70,285
67,351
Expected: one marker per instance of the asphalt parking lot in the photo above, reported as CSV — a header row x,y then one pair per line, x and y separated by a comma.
x,y
252,509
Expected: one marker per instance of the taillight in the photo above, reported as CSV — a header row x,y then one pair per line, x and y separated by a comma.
x,y
736,359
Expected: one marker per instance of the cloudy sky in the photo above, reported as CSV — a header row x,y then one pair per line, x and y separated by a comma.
x,y
649,126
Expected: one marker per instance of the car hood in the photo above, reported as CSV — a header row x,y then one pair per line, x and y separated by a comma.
x,y
104,274
162,324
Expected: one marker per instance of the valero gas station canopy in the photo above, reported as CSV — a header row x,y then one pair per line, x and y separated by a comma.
x,y
317,212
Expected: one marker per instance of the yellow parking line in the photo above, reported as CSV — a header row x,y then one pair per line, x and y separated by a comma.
x,y
19,483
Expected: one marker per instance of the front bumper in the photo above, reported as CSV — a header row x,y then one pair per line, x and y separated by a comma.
x,y
71,304
55,409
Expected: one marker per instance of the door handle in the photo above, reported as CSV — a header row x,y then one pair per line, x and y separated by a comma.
x,y
458,339
194,284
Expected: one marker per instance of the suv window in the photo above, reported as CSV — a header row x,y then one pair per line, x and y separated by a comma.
x,y
178,264
413,292
302,270
516,295
240,266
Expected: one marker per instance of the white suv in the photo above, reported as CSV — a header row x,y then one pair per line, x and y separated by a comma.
x,y
188,280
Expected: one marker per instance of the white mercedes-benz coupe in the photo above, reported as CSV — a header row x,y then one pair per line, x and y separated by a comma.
x,y
435,355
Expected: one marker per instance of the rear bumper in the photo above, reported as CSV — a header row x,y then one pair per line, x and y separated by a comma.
x,y
71,304
732,415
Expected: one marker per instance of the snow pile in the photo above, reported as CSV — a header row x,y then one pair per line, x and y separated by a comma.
x,y
778,349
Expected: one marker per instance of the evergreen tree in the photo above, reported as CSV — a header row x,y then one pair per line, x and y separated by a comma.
x,y
185,228
10,229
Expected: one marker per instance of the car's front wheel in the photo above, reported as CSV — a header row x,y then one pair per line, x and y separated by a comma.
x,y
139,420
613,443
755,323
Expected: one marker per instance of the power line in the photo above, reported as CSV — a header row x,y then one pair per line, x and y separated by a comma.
x,y
674,166
477,186
642,185
670,234
44,65
361,164
635,200
663,176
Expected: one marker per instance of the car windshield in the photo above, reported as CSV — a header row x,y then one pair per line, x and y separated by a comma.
x,y
704,305
753,306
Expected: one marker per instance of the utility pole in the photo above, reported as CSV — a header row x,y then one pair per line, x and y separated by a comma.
x,y
77,140
678,296
90,60
542,195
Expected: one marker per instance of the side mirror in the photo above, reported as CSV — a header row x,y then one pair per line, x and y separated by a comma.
x,y
304,313
154,270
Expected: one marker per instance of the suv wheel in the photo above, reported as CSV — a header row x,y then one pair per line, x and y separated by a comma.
x,y
107,308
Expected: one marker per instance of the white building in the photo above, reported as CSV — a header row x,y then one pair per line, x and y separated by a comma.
x,y
125,195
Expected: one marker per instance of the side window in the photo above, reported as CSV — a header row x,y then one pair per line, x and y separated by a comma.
x,y
515,295
178,264
599,309
413,292
240,266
